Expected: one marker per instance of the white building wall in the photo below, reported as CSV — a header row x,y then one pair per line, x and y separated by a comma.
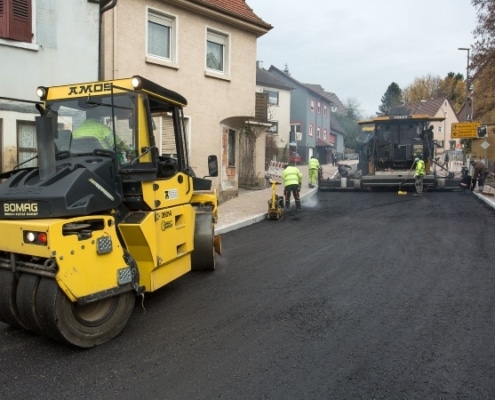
x,y
64,49
281,114
443,129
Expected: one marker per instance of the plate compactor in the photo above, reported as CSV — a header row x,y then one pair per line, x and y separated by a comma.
x,y
275,204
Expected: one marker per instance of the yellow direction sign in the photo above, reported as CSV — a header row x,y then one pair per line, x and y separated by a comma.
x,y
465,130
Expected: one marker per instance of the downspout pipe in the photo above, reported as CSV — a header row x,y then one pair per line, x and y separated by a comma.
x,y
105,5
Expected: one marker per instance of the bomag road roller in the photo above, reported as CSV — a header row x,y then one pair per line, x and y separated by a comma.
x,y
108,209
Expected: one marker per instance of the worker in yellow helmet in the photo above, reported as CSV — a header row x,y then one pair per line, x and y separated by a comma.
x,y
419,173
292,178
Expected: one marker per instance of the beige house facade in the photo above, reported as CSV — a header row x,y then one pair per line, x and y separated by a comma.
x,y
206,51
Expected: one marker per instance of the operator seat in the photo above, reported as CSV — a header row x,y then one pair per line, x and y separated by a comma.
x,y
85,144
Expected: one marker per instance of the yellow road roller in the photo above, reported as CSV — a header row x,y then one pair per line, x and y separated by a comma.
x,y
103,213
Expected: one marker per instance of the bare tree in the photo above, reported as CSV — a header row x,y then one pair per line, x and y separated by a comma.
x,y
483,61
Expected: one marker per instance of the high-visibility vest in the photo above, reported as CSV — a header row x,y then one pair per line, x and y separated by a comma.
x,y
420,168
291,176
96,129
313,163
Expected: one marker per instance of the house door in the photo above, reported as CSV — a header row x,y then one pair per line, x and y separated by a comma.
x,y
247,151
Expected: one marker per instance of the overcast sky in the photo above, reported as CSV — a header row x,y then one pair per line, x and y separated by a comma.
x,y
357,48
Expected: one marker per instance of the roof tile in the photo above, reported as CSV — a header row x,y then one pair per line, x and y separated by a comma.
x,y
237,8
428,107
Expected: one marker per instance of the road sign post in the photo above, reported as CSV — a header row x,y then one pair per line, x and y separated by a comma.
x,y
485,146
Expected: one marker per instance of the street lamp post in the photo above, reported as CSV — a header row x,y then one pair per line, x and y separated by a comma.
x,y
469,116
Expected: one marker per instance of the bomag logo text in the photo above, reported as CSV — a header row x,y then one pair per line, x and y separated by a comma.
x,y
17,208
90,89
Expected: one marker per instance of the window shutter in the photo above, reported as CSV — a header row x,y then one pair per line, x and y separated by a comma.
x,y
168,139
160,19
217,38
261,106
20,20
3,18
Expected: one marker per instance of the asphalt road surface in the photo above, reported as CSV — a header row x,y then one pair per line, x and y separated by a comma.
x,y
360,296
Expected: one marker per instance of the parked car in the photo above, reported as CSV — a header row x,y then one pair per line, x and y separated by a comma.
x,y
294,157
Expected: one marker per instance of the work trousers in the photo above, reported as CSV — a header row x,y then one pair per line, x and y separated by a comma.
x,y
313,176
294,189
419,184
481,180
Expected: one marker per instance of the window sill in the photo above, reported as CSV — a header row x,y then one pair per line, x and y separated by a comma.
x,y
20,45
217,75
162,62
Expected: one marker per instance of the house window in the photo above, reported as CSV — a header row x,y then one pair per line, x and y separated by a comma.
x,y
295,133
310,131
295,127
164,133
217,46
231,149
324,134
325,111
318,132
318,107
161,35
312,105
272,97
16,20
274,127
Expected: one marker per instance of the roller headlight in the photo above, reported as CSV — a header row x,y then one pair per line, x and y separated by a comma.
x,y
136,82
42,92
33,237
